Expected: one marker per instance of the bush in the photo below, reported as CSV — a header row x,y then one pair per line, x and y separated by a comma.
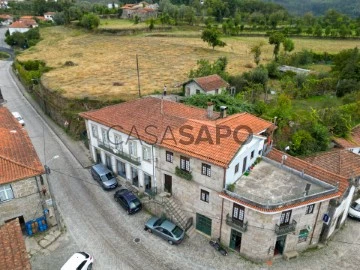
x,y
90,21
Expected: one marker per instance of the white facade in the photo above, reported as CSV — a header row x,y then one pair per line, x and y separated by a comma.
x,y
355,150
21,30
125,156
49,17
193,88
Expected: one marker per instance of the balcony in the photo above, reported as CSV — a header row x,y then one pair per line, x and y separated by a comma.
x,y
285,229
120,153
183,174
236,224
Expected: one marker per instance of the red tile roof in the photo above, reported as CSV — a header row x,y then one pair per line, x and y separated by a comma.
x,y
5,16
210,83
310,169
19,24
13,255
352,142
338,161
167,127
18,158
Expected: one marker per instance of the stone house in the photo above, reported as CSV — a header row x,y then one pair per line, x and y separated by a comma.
x,y
5,18
209,85
142,10
23,189
13,254
22,25
49,16
352,144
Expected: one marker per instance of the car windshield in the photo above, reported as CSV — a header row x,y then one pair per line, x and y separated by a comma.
x,y
134,203
107,177
355,206
159,222
177,231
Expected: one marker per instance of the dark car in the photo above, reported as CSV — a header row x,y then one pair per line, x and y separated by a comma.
x,y
128,201
165,229
104,176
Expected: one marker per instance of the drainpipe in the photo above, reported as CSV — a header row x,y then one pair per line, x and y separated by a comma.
x,y
41,198
152,151
222,206
317,215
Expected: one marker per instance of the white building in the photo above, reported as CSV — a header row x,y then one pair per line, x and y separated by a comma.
x,y
209,85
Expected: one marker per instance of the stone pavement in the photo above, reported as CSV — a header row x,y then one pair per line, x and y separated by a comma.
x,y
43,242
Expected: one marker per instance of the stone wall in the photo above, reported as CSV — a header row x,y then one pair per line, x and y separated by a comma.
x,y
26,202
258,242
188,193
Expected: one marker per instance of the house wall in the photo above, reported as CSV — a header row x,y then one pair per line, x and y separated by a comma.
x,y
194,86
188,193
26,202
258,242
256,145
355,150
21,30
145,166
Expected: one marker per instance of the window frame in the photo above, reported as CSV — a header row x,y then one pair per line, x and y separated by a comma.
x,y
204,195
5,189
146,149
118,142
206,169
104,136
169,156
132,149
252,154
240,212
94,131
236,168
185,163
285,218
310,209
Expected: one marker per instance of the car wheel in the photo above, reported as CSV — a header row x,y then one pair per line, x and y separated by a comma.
x,y
90,266
171,242
149,230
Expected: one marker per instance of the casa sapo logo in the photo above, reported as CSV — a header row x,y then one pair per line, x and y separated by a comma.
x,y
241,134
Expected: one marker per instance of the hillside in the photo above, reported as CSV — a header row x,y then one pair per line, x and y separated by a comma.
x,y
318,7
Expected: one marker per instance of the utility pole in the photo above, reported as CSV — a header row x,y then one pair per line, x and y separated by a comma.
x,y
138,74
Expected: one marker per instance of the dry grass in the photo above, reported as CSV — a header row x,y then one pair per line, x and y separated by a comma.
x,y
102,60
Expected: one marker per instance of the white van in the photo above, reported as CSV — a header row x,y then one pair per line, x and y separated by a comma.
x,y
19,118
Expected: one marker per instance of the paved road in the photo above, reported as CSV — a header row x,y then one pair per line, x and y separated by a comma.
x,y
96,224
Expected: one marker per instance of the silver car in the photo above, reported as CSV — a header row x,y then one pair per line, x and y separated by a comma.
x,y
165,229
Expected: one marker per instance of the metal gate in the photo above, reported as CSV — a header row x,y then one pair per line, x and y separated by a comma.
x,y
203,224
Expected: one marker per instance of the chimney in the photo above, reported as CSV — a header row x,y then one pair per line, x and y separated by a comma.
x,y
223,111
210,110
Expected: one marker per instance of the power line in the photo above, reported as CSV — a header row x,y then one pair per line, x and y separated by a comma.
x,y
78,178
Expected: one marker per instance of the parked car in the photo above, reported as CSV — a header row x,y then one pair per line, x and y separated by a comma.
x,y
165,229
79,261
104,176
128,201
354,210
19,118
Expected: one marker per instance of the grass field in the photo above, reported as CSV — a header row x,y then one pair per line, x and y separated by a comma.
x,y
105,65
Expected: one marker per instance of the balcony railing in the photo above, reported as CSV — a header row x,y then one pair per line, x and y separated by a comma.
x,y
285,229
236,224
183,174
119,153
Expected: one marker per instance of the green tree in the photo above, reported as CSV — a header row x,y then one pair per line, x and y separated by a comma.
x,y
256,51
318,30
327,31
276,38
288,44
90,21
212,36
302,143
206,68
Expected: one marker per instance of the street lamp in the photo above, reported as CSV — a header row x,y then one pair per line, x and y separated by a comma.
x,y
47,173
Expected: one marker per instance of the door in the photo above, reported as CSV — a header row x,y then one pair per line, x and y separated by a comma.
x,y
147,180
244,164
108,162
121,168
98,155
168,184
203,224
280,245
187,91
235,240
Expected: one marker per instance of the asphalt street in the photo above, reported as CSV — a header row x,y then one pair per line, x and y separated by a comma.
x,y
96,224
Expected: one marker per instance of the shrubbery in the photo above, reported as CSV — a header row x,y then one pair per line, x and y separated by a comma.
x,y
24,40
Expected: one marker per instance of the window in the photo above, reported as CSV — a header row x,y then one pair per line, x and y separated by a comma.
x,y
169,156
146,153
132,149
285,218
303,235
185,163
118,142
197,91
237,168
260,152
238,212
6,193
216,91
204,196
252,154
310,209
244,164
94,131
104,135
206,170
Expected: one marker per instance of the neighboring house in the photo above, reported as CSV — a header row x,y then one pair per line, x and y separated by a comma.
x,y
4,4
197,156
22,25
353,143
49,16
112,5
23,189
210,85
13,254
294,69
142,10
6,19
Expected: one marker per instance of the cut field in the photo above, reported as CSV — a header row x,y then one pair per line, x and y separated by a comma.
x,y
105,65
